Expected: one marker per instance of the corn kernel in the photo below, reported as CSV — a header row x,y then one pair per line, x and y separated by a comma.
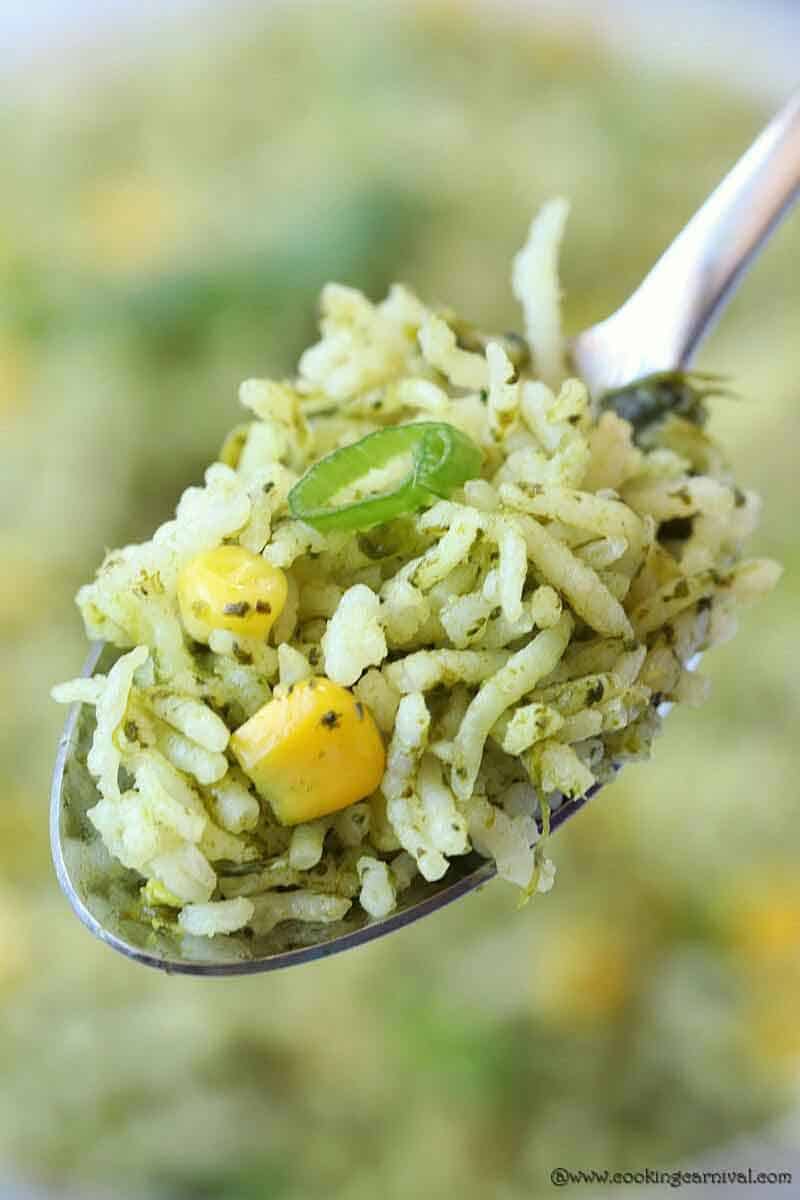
x,y
155,893
311,751
230,588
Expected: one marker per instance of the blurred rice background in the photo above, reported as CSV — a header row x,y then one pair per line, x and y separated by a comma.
x,y
174,194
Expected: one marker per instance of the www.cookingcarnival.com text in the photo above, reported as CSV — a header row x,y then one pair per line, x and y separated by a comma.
x,y
565,1177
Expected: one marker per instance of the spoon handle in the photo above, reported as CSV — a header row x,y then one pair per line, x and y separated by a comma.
x,y
663,321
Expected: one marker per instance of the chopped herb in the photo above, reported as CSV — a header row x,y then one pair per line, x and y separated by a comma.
x,y
472,339
683,494
647,401
678,529
516,348
331,719
370,548
238,608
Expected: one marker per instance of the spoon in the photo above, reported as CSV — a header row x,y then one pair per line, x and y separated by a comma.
x,y
659,327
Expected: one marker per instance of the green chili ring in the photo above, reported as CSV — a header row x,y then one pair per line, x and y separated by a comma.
x,y
442,459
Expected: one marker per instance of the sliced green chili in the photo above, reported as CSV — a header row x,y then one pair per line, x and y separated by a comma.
x,y
442,458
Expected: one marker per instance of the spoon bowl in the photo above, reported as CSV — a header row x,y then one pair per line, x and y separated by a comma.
x,y
104,894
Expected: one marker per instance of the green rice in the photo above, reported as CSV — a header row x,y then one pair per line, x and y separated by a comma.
x,y
514,642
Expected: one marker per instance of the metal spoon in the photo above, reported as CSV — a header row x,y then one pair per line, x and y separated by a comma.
x,y
659,327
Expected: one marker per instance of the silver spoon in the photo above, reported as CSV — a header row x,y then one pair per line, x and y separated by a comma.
x,y
658,328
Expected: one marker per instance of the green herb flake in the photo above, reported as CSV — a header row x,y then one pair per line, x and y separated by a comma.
x,y
648,401
237,608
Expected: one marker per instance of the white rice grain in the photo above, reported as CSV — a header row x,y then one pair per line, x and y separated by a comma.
x,y
519,675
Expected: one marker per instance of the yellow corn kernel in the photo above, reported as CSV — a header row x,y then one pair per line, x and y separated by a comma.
x,y
130,223
155,893
230,588
311,751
